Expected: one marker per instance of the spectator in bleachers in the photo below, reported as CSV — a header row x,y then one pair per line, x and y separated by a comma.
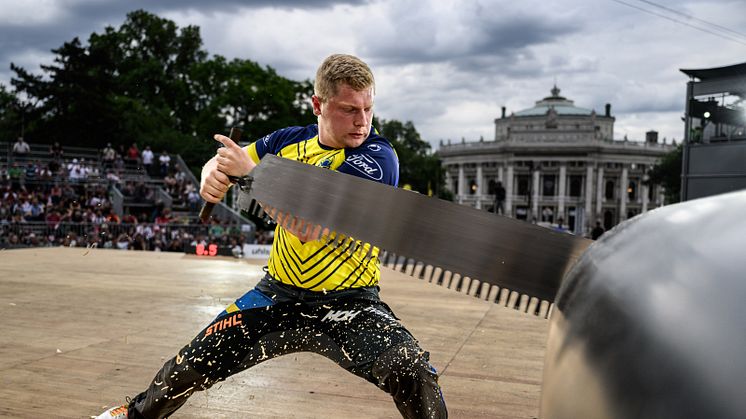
x,y
36,212
15,174
129,189
165,163
75,171
56,152
38,198
133,153
216,230
108,155
169,181
143,192
112,217
53,218
122,242
45,175
139,243
129,219
119,164
91,170
193,198
147,160
30,172
21,150
164,217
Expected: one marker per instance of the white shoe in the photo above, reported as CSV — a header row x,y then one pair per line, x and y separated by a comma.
x,y
119,412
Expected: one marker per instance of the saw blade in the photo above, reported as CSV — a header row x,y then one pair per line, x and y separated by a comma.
x,y
414,228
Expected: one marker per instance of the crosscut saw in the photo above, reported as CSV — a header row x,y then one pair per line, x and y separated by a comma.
x,y
349,211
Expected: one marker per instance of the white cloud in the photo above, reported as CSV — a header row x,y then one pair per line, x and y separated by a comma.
x,y
24,13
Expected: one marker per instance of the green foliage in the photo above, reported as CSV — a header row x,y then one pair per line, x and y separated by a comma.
x,y
667,173
152,83
419,168
10,115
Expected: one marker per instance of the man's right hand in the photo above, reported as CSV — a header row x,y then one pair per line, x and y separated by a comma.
x,y
214,183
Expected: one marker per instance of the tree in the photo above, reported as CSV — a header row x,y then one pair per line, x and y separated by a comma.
x,y
11,115
150,82
667,173
418,168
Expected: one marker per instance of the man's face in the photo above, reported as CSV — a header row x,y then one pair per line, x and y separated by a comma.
x,y
345,119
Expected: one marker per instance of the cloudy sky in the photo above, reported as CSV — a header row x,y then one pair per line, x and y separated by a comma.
x,y
446,65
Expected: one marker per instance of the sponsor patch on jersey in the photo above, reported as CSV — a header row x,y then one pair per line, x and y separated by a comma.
x,y
374,147
326,163
366,165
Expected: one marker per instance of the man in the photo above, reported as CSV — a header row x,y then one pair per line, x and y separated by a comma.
x,y
147,160
20,149
165,163
316,297
108,155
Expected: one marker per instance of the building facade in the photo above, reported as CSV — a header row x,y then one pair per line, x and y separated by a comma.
x,y
557,164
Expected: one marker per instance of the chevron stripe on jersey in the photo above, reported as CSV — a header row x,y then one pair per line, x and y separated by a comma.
x,y
315,265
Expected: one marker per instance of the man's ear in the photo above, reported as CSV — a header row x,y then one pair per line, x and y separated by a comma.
x,y
316,102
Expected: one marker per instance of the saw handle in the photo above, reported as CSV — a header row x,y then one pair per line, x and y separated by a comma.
x,y
206,211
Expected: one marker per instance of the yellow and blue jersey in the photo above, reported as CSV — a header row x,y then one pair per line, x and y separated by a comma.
x,y
316,265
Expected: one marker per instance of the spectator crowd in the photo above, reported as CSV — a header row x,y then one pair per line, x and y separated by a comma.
x,y
55,201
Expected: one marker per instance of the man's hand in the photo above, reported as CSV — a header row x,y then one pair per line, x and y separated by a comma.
x,y
214,183
232,159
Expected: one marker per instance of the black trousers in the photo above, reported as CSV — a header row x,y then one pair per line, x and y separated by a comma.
x,y
353,328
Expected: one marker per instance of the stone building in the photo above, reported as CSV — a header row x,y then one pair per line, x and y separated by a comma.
x,y
557,164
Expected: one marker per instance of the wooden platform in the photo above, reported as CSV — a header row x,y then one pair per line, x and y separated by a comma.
x,y
81,329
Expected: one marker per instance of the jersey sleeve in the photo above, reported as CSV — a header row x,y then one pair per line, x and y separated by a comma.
x,y
375,161
269,144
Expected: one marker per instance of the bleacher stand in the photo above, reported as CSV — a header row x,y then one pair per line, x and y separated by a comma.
x,y
85,197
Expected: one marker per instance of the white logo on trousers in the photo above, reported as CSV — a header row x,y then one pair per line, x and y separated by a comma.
x,y
340,316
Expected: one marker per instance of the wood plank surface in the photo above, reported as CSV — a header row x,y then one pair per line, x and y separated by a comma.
x,y
81,329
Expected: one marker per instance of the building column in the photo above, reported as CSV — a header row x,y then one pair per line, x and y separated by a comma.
x,y
535,196
589,216
600,193
461,181
480,189
562,187
624,184
644,190
449,181
500,177
508,185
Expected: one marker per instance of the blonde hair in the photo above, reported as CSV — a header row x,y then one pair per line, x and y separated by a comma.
x,y
341,68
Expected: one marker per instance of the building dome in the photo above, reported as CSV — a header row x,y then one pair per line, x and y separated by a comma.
x,y
561,105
